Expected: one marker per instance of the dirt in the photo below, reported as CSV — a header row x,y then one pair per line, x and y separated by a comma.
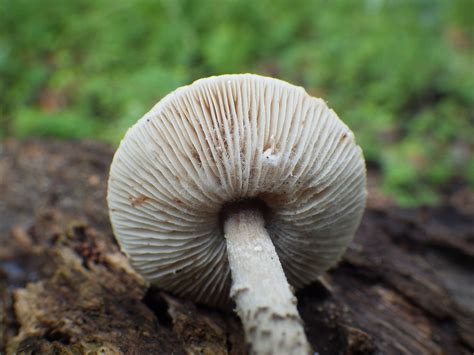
x,y
405,286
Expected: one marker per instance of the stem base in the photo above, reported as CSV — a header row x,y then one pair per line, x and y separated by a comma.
x,y
264,300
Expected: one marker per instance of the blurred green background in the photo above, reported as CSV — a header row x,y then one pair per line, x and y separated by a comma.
x,y
400,73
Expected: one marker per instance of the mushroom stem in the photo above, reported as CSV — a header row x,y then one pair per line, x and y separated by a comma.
x,y
264,300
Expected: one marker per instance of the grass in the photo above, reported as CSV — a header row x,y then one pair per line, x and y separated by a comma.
x,y
400,73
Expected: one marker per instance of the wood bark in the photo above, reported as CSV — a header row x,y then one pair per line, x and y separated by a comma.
x,y
405,285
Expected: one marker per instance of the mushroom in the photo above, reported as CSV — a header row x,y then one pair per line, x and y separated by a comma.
x,y
239,185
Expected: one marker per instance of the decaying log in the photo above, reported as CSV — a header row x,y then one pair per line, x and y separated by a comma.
x,y
406,284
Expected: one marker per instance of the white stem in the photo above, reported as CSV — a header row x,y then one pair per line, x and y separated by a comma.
x,y
264,300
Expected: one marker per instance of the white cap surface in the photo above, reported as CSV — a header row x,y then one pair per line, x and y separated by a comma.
x,y
224,139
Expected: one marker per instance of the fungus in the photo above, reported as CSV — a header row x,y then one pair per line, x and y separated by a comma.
x,y
239,185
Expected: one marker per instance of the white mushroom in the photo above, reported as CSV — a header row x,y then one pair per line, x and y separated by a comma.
x,y
240,185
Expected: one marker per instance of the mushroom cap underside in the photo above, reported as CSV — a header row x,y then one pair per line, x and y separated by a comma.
x,y
222,140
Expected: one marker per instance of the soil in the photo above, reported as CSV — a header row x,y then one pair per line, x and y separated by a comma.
x,y
405,285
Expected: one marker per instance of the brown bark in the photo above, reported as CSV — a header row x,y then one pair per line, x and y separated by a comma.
x,y
404,286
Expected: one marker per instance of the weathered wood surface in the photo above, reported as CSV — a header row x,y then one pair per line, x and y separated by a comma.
x,y
405,286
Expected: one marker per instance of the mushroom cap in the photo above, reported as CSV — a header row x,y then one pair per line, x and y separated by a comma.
x,y
225,139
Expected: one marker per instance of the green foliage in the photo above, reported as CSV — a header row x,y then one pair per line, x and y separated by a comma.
x,y
64,124
398,72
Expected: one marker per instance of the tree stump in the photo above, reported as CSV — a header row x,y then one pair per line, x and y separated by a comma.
x,y
405,285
